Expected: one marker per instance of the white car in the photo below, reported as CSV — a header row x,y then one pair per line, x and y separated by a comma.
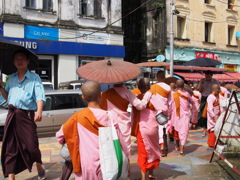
x,y
59,107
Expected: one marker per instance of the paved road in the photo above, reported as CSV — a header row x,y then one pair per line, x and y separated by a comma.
x,y
194,165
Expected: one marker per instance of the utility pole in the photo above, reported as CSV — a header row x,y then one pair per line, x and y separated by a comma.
x,y
171,37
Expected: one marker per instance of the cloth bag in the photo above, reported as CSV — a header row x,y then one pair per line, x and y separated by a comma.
x,y
64,152
113,161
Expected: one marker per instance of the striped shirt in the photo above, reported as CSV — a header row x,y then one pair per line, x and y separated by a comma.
x,y
24,94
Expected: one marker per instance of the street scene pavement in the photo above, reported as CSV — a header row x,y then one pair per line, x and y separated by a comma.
x,y
194,165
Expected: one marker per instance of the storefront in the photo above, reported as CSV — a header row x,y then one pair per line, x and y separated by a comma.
x,y
59,56
229,60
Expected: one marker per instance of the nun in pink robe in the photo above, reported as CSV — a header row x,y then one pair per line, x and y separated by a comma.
x,y
117,99
196,97
213,112
89,146
181,123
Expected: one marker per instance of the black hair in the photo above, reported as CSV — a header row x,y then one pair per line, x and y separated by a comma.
x,y
21,51
208,72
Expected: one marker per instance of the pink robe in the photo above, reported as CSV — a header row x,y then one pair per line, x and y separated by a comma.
x,y
196,101
170,121
124,118
212,111
225,91
164,107
181,123
89,146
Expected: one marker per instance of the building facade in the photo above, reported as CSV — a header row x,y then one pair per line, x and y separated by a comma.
x,y
144,29
65,34
206,28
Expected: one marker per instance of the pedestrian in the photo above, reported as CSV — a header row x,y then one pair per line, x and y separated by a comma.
x,y
181,119
118,98
145,128
80,133
205,87
163,92
136,91
196,99
25,95
213,112
224,92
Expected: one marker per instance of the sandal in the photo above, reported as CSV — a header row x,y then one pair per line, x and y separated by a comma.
x,y
42,175
182,153
152,177
163,153
177,148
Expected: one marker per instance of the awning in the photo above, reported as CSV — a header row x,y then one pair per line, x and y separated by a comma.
x,y
233,74
190,76
178,67
225,77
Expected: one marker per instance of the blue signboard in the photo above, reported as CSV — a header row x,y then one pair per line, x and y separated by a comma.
x,y
34,32
74,48
1,29
238,34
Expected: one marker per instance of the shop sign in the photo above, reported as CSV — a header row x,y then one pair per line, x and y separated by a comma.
x,y
217,57
1,29
28,44
231,67
238,34
93,38
34,32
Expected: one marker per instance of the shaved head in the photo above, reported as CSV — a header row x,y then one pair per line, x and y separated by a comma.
x,y
222,83
144,85
91,91
173,86
180,83
160,75
195,86
215,87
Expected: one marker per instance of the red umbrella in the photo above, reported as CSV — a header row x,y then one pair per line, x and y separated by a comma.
x,y
109,71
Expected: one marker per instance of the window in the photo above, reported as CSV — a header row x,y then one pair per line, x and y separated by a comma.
x,y
31,4
208,32
181,27
90,8
231,4
47,5
207,1
83,7
231,30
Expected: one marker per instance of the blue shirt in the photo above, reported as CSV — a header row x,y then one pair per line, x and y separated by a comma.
x,y
25,94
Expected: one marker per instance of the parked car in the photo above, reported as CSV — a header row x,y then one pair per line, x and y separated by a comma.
x,y
75,85
47,85
59,106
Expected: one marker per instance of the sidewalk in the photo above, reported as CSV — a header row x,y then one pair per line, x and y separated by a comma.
x,y
193,166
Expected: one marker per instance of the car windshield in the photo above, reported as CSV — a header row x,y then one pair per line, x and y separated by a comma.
x,y
48,87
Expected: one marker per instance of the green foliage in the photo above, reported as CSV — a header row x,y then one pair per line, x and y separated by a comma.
x,y
4,83
158,5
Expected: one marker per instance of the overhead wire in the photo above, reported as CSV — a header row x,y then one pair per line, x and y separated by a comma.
x,y
101,29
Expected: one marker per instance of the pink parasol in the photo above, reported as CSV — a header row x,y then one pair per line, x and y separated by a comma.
x,y
109,71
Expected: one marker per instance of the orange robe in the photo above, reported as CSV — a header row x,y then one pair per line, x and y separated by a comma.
x,y
87,119
145,128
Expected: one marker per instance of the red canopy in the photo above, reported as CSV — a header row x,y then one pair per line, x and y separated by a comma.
x,y
225,77
233,74
190,76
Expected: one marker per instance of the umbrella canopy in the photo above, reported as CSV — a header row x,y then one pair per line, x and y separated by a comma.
x,y
170,80
7,50
109,71
202,62
152,64
231,86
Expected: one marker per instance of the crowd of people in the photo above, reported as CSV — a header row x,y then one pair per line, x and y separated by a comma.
x,y
184,109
